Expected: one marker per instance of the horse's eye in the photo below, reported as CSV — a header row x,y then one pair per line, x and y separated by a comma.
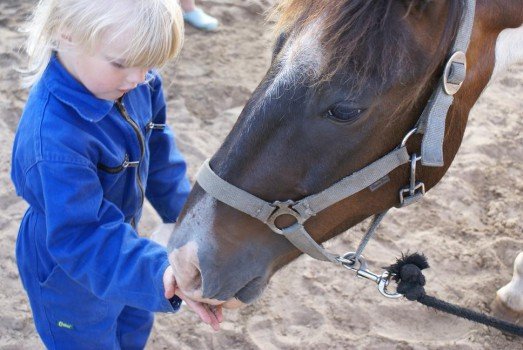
x,y
344,114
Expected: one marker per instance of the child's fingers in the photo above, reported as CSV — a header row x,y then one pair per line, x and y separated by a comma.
x,y
169,291
169,283
217,310
197,307
210,315
219,313
215,323
201,310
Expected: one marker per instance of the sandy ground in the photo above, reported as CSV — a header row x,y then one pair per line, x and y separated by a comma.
x,y
469,225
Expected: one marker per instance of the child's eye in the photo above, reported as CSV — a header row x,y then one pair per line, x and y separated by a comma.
x,y
117,65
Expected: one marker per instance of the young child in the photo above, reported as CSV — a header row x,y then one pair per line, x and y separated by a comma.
x,y
91,145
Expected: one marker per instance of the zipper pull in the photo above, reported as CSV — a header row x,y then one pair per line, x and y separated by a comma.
x,y
153,126
128,164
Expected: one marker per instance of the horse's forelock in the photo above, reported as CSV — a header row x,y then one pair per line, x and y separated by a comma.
x,y
361,35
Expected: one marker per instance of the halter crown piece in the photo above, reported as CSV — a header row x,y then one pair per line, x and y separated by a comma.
x,y
431,124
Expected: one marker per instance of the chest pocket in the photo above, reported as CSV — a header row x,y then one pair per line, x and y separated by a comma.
x,y
126,163
115,177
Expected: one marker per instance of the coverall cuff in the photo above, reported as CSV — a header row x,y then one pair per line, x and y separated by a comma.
x,y
169,215
168,210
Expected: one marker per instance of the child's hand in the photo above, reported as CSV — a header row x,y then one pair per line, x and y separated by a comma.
x,y
169,283
212,315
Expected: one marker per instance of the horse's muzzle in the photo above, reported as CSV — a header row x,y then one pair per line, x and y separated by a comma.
x,y
189,279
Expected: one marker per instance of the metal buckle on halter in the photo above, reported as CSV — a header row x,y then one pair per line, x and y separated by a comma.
x,y
360,267
454,73
284,208
416,189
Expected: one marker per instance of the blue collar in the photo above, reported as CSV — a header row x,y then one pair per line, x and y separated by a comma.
x,y
71,92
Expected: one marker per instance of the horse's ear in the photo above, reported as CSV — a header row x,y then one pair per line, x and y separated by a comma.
x,y
280,42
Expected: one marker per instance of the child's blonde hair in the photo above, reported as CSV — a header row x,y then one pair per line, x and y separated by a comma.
x,y
152,29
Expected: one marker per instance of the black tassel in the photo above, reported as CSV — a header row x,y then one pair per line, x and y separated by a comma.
x,y
407,273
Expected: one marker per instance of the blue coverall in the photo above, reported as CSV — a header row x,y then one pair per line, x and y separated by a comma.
x,y
84,165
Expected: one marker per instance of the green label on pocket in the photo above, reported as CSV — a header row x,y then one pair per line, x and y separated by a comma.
x,y
65,325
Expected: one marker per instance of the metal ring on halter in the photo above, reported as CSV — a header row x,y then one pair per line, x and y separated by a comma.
x,y
349,261
285,208
406,138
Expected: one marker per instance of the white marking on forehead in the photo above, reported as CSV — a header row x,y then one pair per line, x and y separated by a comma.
x,y
509,50
301,56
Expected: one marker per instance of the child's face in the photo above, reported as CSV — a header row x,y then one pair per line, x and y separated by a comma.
x,y
102,73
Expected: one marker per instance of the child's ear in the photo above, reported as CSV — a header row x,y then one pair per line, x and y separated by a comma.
x,y
66,37
63,40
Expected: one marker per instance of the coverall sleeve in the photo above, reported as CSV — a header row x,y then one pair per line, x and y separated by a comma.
x,y
167,185
89,239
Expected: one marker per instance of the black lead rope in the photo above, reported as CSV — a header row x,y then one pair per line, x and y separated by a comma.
x,y
407,273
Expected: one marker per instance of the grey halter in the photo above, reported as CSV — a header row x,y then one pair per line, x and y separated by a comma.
x,y
431,124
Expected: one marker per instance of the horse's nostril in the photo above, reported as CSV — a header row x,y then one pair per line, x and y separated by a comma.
x,y
189,280
186,269
195,279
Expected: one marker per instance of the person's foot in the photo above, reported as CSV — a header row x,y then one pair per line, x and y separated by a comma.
x,y
200,20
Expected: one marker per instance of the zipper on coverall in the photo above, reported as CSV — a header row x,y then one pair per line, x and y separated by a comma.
x,y
121,108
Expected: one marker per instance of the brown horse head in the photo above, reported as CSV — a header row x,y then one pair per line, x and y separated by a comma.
x,y
348,80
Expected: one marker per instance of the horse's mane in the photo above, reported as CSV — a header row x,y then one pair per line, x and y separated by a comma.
x,y
362,34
